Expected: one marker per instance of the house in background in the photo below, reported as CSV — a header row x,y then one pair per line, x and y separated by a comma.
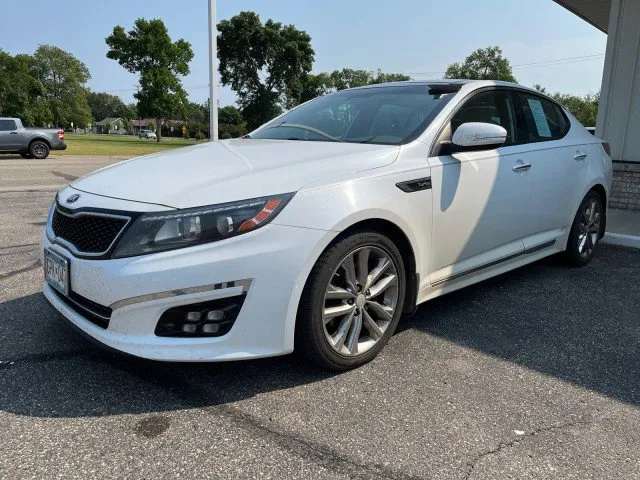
x,y
110,125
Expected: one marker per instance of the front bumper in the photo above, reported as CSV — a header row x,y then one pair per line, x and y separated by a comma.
x,y
271,264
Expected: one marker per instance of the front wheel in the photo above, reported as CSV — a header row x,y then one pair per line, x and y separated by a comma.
x,y
39,150
352,302
585,231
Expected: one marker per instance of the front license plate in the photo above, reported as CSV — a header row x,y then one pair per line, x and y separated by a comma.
x,y
56,271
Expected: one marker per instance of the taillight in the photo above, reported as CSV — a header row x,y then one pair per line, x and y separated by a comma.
x,y
60,134
607,147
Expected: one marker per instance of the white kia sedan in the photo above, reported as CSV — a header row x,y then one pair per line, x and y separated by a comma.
x,y
321,229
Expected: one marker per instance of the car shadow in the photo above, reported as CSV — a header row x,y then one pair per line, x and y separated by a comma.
x,y
570,323
47,369
581,325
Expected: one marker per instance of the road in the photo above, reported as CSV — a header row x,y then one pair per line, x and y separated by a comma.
x,y
534,374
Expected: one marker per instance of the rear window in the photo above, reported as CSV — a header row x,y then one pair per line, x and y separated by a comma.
x,y
540,119
7,125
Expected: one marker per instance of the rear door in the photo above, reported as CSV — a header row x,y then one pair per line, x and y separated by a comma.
x,y
558,165
9,136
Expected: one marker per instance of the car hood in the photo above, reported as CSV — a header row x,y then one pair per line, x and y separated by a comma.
x,y
229,170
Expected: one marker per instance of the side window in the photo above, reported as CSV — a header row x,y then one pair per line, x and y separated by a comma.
x,y
488,107
539,119
7,125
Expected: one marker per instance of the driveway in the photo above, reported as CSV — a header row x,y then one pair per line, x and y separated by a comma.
x,y
534,374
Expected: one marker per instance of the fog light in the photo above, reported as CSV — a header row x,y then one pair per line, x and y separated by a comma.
x,y
208,319
215,315
211,328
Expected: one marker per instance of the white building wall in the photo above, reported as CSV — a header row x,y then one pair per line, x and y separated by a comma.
x,y
619,114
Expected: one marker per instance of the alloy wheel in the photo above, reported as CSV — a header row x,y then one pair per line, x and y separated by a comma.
x,y
589,228
39,150
360,301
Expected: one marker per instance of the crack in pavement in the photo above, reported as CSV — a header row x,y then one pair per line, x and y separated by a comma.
x,y
19,246
18,271
315,452
516,441
66,176
42,357
296,444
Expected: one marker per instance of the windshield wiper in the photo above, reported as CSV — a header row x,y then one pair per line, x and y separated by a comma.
x,y
308,128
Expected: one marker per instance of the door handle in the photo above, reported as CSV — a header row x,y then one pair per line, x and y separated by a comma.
x,y
579,156
13,133
521,167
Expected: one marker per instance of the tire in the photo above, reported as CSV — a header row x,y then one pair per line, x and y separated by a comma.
x,y
581,247
333,344
39,150
26,156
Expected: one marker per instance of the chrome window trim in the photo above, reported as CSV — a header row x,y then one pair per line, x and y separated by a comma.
x,y
245,284
72,248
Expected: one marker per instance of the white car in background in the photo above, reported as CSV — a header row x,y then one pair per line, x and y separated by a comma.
x,y
327,225
147,134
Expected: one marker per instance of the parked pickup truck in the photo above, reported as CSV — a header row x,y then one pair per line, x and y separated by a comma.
x,y
29,142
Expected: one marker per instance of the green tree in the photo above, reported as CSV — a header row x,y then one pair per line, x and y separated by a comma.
x,y
104,105
230,115
350,78
323,83
483,64
63,77
127,124
264,64
585,108
149,51
231,123
21,94
316,86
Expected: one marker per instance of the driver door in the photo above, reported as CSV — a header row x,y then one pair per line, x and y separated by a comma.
x,y
10,140
482,198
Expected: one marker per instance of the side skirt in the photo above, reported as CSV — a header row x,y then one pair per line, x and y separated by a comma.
x,y
489,270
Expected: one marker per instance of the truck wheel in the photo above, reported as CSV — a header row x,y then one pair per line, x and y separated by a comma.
x,y
26,155
39,150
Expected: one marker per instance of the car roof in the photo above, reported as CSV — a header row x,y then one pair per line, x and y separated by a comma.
x,y
454,83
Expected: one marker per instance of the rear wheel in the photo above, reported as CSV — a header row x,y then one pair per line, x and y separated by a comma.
x,y
39,150
352,302
585,231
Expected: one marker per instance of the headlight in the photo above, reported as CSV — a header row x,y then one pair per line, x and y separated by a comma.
x,y
161,231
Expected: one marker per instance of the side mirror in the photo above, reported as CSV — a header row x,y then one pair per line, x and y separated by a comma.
x,y
478,134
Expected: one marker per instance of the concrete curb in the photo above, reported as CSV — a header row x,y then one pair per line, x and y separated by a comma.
x,y
622,240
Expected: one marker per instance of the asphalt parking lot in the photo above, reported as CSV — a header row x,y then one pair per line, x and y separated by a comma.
x,y
534,374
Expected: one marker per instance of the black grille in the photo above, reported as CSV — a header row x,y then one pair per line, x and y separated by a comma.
x,y
88,233
95,313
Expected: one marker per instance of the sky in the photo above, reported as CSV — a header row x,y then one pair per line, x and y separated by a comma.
x,y
417,37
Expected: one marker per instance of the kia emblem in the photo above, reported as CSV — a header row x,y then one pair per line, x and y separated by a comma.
x,y
73,198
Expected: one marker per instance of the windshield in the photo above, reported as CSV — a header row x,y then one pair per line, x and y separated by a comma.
x,y
384,115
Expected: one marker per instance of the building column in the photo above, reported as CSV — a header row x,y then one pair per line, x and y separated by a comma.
x,y
619,114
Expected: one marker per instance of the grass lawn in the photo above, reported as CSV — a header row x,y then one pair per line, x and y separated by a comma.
x,y
117,145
